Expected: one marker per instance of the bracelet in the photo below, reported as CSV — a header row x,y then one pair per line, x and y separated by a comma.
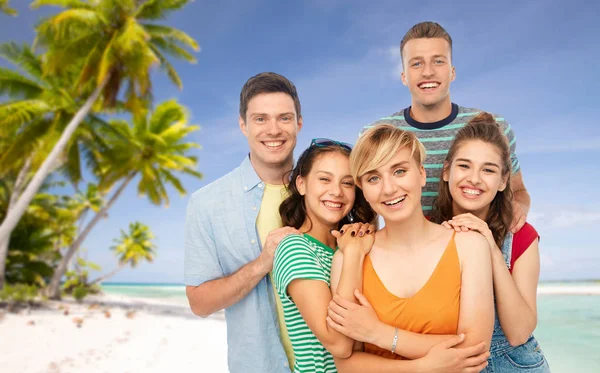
x,y
395,341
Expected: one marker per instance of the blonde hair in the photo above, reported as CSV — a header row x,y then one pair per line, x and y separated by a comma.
x,y
379,145
425,30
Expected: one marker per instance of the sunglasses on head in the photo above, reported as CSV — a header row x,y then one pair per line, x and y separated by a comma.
x,y
322,142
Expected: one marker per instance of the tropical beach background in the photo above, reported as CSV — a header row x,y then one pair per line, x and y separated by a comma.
x,y
113,111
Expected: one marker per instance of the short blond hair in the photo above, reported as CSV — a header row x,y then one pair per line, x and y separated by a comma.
x,y
379,145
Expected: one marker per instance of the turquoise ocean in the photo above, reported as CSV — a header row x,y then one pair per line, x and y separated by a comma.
x,y
568,327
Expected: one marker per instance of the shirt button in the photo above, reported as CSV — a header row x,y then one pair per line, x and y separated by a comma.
x,y
286,364
260,185
253,208
245,188
253,241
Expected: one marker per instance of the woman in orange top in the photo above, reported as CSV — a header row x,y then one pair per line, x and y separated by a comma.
x,y
424,282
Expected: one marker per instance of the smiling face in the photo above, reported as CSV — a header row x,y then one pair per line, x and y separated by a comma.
x,y
328,189
271,126
394,189
475,177
428,71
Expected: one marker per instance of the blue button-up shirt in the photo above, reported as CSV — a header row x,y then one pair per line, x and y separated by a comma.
x,y
220,238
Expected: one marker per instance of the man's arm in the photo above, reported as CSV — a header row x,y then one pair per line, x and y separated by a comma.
x,y
208,290
212,296
521,201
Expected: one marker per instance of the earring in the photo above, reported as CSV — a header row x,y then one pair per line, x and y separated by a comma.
x,y
350,217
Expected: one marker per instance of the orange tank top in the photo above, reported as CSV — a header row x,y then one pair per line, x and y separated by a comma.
x,y
433,309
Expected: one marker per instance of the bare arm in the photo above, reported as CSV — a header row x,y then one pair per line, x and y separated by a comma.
x,y
476,317
360,322
442,358
212,296
521,201
516,294
215,295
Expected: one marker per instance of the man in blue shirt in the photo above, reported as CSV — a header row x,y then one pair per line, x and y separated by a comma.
x,y
226,267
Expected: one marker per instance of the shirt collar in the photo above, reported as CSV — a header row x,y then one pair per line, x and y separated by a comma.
x,y
250,178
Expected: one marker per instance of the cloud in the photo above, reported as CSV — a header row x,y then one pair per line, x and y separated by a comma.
x,y
559,218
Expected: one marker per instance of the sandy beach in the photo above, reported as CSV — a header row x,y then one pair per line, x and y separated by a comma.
x,y
121,334
138,336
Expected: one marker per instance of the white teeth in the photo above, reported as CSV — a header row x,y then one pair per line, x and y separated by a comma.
x,y
273,144
332,204
429,85
395,201
472,192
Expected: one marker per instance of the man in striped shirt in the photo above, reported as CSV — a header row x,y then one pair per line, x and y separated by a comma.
x,y
426,52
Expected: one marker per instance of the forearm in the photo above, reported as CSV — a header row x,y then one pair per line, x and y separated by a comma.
x,y
363,362
517,318
410,345
350,279
221,293
523,198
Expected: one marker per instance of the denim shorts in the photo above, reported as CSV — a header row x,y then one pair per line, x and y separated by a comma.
x,y
527,357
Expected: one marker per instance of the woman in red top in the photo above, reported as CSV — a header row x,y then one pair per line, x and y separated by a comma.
x,y
474,195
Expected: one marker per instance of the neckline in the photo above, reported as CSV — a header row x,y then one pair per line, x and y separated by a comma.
x,y
435,270
321,244
432,125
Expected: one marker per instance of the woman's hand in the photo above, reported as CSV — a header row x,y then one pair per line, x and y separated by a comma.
x,y
357,321
358,235
469,222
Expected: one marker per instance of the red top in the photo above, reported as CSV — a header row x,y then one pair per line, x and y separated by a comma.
x,y
521,241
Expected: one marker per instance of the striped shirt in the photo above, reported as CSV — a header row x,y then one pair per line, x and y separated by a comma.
x,y
437,138
302,257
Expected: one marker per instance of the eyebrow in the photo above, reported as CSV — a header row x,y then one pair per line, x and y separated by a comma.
x,y
266,114
399,164
484,163
331,174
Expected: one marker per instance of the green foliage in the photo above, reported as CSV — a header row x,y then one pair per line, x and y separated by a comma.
x,y
135,245
80,292
19,294
77,283
4,8
154,147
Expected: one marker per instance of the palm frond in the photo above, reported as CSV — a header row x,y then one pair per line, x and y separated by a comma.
x,y
172,49
23,58
75,4
159,9
16,85
17,113
167,67
171,34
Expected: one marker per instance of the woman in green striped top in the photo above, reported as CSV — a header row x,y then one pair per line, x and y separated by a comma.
x,y
322,199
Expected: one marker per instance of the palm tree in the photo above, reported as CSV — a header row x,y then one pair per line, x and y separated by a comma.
x,y
152,148
5,9
114,44
131,249
32,121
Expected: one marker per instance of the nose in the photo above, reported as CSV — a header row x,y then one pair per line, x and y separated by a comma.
x,y
473,177
389,187
335,190
273,128
427,70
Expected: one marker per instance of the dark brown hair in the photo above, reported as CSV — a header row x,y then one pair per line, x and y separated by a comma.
x,y
293,209
484,128
425,30
267,83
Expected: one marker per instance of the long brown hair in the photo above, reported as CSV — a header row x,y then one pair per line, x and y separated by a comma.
x,y
484,128
293,209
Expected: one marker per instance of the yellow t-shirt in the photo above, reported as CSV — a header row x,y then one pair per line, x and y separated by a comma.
x,y
269,219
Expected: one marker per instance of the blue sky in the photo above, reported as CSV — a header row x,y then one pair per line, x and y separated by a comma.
x,y
534,62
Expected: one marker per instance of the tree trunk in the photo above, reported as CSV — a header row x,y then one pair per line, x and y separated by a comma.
x,y
16,193
101,279
13,216
53,290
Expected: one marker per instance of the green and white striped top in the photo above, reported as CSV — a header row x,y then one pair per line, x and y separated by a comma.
x,y
302,257
437,138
